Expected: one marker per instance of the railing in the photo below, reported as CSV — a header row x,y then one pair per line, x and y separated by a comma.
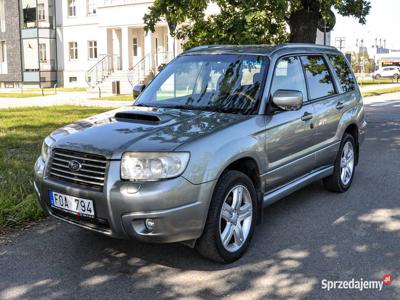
x,y
148,66
102,69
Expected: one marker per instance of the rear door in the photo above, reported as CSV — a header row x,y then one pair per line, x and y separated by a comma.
x,y
289,133
331,91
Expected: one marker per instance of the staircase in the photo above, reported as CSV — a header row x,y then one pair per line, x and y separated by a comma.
x,y
148,67
107,70
122,77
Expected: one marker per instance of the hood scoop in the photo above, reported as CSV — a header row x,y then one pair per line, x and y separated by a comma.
x,y
140,116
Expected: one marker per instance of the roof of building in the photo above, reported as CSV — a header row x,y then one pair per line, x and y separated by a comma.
x,y
259,49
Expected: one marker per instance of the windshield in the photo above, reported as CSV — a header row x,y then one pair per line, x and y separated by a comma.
x,y
224,83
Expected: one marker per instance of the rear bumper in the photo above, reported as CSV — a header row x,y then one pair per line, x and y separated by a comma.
x,y
177,208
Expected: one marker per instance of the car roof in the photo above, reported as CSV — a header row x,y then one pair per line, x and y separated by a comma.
x,y
266,50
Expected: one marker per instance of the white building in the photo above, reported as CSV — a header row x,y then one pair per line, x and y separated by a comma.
x,y
102,41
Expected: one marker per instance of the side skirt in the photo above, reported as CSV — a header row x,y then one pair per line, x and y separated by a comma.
x,y
295,185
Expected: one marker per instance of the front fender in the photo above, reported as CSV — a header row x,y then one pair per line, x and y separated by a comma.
x,y
209,165
212,154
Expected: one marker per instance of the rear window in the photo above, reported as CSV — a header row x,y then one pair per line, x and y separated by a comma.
x,y
318,77
343,72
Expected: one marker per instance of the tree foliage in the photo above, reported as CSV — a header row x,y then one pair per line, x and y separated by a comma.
x,y
249,21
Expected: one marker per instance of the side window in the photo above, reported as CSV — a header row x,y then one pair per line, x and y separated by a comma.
x,y
318,77
343,72
289,76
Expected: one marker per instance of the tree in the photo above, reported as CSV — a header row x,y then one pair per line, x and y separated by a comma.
x,y
249,21
361,61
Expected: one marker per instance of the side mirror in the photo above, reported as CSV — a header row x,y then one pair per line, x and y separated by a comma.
x,y
138,89
288,99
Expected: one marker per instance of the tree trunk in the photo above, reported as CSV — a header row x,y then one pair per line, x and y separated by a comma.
x,y
303,25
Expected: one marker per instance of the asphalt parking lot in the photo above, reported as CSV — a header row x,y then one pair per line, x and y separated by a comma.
x,y
309,236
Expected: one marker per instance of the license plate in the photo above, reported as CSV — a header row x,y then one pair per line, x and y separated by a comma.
x,y
77,206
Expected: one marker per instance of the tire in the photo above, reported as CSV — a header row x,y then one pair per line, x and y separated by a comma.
x,y
377,76
344,167
210,244
396,76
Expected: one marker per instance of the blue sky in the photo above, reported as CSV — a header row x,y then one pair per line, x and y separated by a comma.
x,y
382,22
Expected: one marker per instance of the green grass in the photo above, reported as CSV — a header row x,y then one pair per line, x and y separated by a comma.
x,y
381,91
378,81
21,134
19,95
116,98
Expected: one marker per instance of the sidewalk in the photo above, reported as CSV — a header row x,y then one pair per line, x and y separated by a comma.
x,y
382,98
62,98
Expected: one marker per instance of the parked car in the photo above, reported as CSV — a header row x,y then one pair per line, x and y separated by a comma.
x,y
387,72
219,134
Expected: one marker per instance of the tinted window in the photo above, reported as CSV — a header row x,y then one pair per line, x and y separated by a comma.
x,y
319,80
343,72
289,76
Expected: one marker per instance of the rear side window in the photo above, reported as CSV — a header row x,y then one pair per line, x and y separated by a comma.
x,y
319,79
343,72
289,76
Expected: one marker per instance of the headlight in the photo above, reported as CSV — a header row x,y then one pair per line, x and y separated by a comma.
x,y
47,143
152,165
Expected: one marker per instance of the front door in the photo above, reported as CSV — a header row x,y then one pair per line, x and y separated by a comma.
x,y
289,140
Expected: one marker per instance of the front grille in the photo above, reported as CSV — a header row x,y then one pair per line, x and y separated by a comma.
x,y
92,171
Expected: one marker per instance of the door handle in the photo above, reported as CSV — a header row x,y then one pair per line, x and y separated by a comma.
x,y
339,105
307,116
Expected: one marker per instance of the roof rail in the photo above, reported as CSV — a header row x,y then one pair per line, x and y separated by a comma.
x,y
208,47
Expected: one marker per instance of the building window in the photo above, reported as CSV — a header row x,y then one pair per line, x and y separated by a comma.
x,y
2,17
91,7
43,53
135,47
73,79
71,8
92,45
73,50
28,14
3,57
41,12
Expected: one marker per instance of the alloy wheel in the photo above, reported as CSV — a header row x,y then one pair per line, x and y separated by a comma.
x,y
347,163
236,218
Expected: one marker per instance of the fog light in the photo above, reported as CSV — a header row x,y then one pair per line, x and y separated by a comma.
x,y
149,224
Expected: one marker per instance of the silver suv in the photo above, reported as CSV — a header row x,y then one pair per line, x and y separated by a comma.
x,y
220,133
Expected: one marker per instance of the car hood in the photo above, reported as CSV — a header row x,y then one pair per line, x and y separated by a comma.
x,y
140,129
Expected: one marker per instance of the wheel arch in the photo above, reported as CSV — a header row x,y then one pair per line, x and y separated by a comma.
x,y
353,130
249,166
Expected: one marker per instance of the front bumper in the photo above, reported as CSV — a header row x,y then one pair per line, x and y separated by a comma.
x,y
177,207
